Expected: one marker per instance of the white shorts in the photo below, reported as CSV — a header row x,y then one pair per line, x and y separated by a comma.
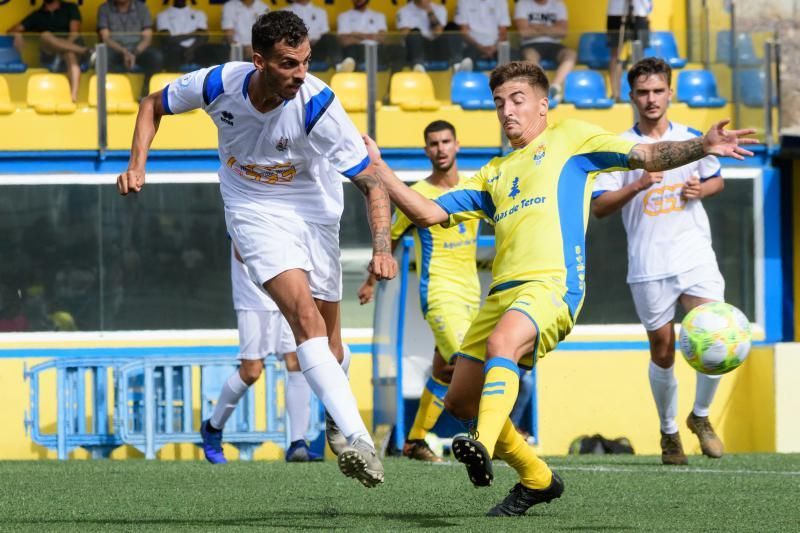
x,y
655,300
263,333
274,243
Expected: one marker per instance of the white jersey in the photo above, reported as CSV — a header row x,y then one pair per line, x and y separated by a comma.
x,y
315,18
239,17
547,14
484,18
641,8
366,21
667,236
247,296
182,21
285,162
411,16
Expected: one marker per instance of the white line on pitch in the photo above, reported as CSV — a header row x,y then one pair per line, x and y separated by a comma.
x,y
654,469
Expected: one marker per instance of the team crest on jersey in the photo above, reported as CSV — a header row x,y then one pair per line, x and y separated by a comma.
x,y
539,155
226,117
283,144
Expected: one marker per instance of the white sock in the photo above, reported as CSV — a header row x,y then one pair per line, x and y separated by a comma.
x,y
329,382
704,393
298,405
232,391
348,356
665,393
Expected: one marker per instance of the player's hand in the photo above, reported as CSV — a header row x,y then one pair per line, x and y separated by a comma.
x,y
649,178
383,266
691,189
130,181
372,148
365,292
727,143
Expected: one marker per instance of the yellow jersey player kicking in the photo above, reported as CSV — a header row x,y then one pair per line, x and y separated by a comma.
x,y
449,290
538,198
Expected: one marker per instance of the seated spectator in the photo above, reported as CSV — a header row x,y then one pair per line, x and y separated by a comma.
x,y
238,17
188,38
360,26
542,25
484,24
324,44
623,26
126,27
424,25
59,24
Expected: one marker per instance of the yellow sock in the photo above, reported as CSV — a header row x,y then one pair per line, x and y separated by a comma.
x,y
500,389
512,448
430,408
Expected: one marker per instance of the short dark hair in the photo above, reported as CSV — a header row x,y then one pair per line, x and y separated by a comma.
x,y
648,67
438,125
530,72
276,26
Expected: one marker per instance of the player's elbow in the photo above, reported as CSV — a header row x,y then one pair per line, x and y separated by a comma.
x,y
599,210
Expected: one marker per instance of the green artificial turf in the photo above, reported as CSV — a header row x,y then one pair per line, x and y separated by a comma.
x,y
603,493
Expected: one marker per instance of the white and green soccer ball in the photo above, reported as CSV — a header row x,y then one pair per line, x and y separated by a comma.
x,y
715,338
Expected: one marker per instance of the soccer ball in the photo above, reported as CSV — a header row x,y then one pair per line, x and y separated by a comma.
x,y
715,338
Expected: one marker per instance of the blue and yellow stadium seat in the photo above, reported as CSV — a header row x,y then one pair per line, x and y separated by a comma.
x,y
663,45
624,88
751,87
471,91
592,50
698,88
586,89
351,90
413,91
49,94
119,95
6,106
159,81
10,61
745,51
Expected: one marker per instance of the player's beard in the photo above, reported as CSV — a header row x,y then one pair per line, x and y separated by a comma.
x,y
444,168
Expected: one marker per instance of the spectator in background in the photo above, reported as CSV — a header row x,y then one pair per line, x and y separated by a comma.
x,y
424,25
360,26
126,27
484,24
627,21
542,25
59,24
188,37
238,17
324,44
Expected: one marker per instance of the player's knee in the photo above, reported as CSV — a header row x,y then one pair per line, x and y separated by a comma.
x,y
459,409
307,323
499,345
250,371
443,374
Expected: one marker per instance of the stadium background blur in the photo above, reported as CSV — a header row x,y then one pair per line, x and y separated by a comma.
x,y
83,272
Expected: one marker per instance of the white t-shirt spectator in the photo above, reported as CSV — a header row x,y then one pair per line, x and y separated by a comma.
x,y
641,8
484,18
355,21
546,14
182,21
413,17
239,17
315,18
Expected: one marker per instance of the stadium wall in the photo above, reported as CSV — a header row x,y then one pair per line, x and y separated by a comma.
x,y
590,386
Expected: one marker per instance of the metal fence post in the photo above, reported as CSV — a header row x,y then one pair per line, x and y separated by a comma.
x,y
101,69
371,66
769,57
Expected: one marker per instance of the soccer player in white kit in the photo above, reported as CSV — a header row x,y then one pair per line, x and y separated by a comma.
x,y
284,141
670,257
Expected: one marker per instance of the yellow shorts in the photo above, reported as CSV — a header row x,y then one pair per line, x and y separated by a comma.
x,y
539,301
449,323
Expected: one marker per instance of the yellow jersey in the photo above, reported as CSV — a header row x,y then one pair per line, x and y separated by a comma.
x,y
445,256
538,199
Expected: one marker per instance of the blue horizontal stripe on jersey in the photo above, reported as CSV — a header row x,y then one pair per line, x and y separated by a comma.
x,y
466,200
501,362
165,100
212,85
494,384
697,133
247,82
356,170
493,392
317,106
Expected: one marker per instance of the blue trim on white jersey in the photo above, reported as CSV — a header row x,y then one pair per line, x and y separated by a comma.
x,y
317,106
597,194
212,85
354,171
717,174
697,133
467,200
165,100
247,82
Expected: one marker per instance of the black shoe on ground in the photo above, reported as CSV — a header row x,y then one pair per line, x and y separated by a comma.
x,y
521,498
476,458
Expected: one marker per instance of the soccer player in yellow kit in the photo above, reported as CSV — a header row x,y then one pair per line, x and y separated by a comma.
x,y
449,290
538,198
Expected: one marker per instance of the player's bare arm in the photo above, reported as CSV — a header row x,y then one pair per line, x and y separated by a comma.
x,y
667,155
694,189
422,211
611,201
151,110
383,265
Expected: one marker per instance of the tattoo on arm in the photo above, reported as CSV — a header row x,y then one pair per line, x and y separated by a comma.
x,y
666,155
378,211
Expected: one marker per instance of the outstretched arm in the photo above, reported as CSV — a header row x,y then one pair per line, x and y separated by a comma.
x,y
420,210
383,265
151,110
666,155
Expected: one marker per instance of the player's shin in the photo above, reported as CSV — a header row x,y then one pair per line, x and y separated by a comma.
x,y
704,393
298,396
232,391
514,450
431,405
500,389
329,382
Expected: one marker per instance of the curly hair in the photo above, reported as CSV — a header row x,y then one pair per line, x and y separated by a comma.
x,y
276,26
650,66
523,70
